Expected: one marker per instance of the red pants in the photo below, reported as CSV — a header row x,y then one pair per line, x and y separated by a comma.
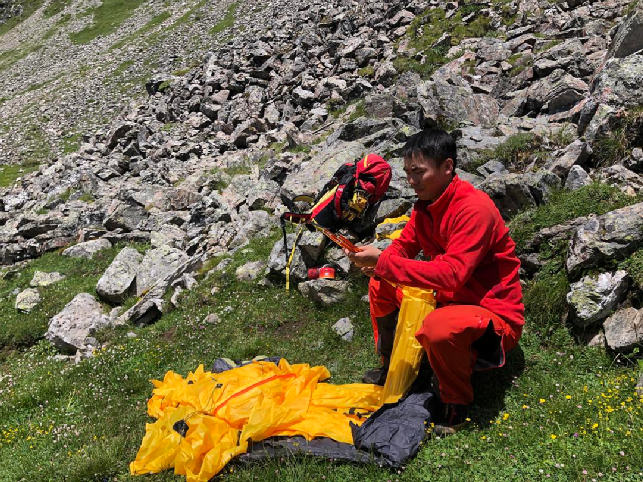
x,y
457,338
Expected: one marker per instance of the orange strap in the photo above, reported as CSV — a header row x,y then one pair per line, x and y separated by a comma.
x,y
247,389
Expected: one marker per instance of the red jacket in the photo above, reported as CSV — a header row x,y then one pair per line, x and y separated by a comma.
x,y
473,259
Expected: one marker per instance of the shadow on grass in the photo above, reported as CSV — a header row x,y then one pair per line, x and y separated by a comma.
x,y
490,387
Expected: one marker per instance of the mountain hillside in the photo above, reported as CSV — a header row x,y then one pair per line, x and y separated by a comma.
x,y
70,66
148,149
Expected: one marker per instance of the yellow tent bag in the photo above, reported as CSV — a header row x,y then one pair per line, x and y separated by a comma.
x,y
206,419
404,366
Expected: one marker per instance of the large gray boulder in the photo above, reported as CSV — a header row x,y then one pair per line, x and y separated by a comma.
x,y
156,265
125,215
448,97
575,154
616,87
577,178
558,92
624,330
168,235
71,329
609,237
278,259
116,283
324,291
629,36
510,192
152,305
87,249
593,298
314,174
255,223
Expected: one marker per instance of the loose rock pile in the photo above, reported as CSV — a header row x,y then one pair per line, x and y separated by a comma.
x,y
208,161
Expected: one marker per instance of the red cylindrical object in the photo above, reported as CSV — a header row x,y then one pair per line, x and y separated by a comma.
x,y
325,272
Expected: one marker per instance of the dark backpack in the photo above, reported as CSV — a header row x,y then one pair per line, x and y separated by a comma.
x,y
353,188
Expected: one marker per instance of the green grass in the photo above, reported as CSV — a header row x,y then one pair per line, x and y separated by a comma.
x,y
427,28
107,17
625,133
10,172
227,21
547,291
55,7
368,71
557,408
514,153
634,266
192,13
151,24
563,205
71,142
122,67
20,329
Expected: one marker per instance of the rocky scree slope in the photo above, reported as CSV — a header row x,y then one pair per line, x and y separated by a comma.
x,y
69,66
545,101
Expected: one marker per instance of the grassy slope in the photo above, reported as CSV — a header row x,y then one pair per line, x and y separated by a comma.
x,y
557,407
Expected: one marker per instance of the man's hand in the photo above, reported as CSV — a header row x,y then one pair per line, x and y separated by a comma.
x,y
366,258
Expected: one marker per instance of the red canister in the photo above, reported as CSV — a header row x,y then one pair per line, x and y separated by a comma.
x,y
325,272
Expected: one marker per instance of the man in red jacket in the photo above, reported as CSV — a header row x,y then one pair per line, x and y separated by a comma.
x,y
472,268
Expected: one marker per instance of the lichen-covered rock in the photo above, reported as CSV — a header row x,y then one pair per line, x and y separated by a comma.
x,y
27,300
324,291
250,271
628,39
312,243
510,192
116,283
314,174
45,279
618,175
611,236
577,178
279,258
576,153
168,235
87,249
157,264
449,97
624,330
618,84
70,329
344,328
593,298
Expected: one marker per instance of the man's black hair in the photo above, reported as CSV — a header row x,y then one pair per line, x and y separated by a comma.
x,y
435,144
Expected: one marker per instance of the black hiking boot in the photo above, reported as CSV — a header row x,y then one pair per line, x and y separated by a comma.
x,y
376,376
451,419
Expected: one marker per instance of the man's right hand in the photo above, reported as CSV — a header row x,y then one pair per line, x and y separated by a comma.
x,y
366,258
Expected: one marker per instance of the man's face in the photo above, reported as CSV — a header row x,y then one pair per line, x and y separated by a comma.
x,y
428,179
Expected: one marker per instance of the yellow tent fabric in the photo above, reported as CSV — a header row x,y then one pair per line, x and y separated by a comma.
x,y
407,352
218,414
205,419
395,234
